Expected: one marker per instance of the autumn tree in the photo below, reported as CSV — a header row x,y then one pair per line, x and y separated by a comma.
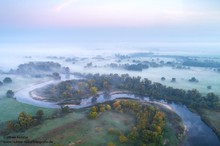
x,y
123,138
93,109
93,115
111,144
25,120
93,91
117,105
102,108
108,107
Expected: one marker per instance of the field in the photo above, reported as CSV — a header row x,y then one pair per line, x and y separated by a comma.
x,y
10,108
77,128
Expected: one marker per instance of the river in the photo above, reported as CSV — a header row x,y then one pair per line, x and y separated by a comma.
x,y
199,134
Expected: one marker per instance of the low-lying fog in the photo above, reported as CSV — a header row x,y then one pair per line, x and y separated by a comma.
x,y
101,55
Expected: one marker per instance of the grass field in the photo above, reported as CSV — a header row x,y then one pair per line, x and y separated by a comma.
x,y
10,108
77,128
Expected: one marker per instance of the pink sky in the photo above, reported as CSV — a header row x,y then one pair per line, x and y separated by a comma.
x,y
108,13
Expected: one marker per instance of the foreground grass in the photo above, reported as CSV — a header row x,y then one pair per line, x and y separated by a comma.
x,y
77,128
10,109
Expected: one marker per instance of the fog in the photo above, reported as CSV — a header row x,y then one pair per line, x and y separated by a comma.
x,y
13,55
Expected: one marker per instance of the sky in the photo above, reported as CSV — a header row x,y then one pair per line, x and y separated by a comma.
x,y
102,20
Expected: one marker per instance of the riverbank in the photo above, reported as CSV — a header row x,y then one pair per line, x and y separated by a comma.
x,y
211,118
195,120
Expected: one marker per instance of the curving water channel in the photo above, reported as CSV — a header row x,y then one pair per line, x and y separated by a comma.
x,y
199,134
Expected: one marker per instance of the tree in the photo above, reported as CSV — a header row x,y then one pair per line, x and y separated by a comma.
x,y
117,105
111,144
10,94
25,120
65,109
193,79
93,109
93,115
163,79
56,76
7,80
102,108
39,114
173,80
17,127
212,100
67,70
209,87
106,86
80,85
108,107
90,82
133,135
123,138
94,91
10,125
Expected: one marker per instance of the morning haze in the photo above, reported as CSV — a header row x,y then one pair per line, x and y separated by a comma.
x,y
125,72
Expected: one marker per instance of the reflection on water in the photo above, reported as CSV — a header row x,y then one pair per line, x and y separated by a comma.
x,y
199,134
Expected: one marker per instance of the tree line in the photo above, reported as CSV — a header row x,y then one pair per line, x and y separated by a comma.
x,y
144,87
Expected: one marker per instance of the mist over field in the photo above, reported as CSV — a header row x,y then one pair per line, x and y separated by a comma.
x,y
15,54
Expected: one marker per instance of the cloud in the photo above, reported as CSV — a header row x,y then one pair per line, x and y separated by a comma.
x,y
63,5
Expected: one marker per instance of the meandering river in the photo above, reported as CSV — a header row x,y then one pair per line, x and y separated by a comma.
x,y
199,134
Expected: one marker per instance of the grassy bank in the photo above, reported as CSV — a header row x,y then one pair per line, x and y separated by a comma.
x,y
212,119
